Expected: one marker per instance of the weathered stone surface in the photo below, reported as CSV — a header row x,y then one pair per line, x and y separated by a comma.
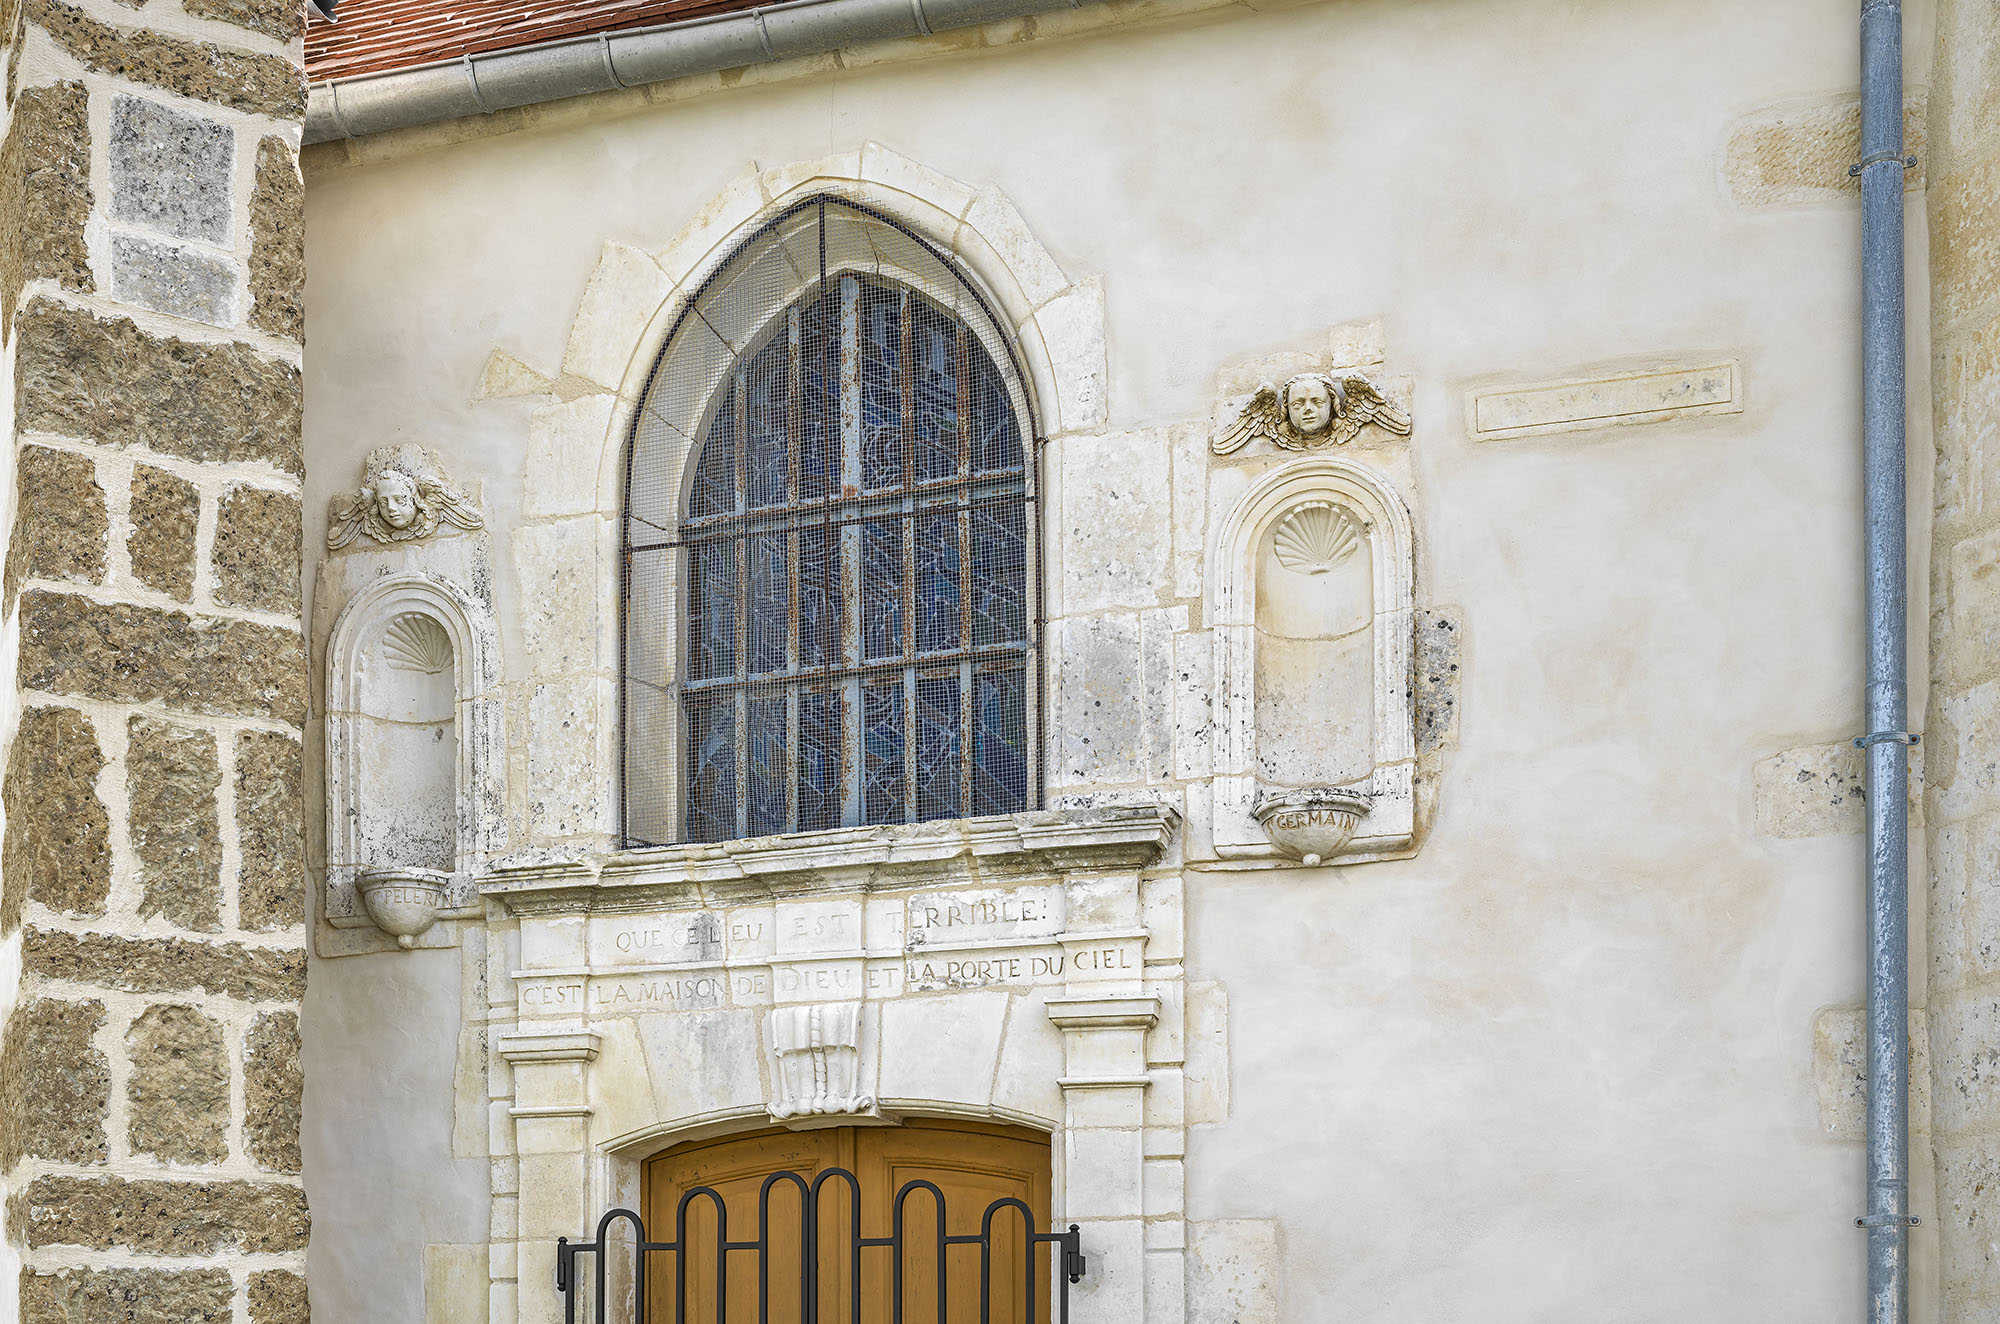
x,y
160,1217
278,19
58,847
165,510
45,196
278,1297
1439,649
128,654
106,380
182,281
1797,154
1818,790
198,70
273,1087
126,1296
171,170
1840,1071
277,239
179,1086
173,773
270,828
59,519
55,1087
256,559
166,965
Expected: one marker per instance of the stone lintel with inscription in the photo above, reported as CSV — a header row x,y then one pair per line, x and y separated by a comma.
x,y
840,861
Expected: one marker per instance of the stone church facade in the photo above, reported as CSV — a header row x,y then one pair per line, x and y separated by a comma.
x,y
1258,604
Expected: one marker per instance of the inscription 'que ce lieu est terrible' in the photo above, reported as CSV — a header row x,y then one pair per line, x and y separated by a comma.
x,y
961,922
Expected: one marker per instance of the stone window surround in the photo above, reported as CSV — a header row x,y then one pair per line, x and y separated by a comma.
x,y
1388,832
476,683
1118,1132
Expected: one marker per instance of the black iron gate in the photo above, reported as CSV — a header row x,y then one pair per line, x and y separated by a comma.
x,y
679,1252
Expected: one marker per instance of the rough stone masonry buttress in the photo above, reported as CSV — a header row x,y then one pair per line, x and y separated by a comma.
x,y
154,684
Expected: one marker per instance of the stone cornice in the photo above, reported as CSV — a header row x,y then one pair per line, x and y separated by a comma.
x,y
844,860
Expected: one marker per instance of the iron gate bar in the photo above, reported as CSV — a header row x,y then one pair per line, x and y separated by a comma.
x,y
1073,1261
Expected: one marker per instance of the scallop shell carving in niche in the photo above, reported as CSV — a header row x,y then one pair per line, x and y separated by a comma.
x,y
1314,538
415,642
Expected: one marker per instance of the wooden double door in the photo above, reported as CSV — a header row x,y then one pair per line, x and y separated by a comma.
x,y
972,1164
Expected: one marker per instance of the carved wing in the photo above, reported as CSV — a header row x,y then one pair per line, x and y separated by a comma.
x,y
1362,404
345,516
1262,417
452,508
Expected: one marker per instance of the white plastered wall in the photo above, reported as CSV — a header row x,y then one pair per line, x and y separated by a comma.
x,y
1566,1049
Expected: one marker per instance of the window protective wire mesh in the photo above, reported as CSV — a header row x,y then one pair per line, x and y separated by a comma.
x,y
829,546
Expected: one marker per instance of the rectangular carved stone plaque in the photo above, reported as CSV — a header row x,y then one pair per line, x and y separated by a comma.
x,y
1641,397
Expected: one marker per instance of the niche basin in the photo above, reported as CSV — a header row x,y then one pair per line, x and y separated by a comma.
x,y
403,902
1314,823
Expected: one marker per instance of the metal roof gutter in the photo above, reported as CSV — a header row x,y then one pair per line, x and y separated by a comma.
x,y
604,62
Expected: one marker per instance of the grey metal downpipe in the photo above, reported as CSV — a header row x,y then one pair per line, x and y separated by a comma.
x,y
1886,744
574,66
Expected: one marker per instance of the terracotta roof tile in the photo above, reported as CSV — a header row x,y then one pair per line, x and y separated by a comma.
x,y
380,36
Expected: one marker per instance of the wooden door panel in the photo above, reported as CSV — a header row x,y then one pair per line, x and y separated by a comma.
x,y
972,1164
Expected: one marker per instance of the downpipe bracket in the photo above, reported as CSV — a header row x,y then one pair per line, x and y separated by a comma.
x,y
1881,737
1888,1220
1854,171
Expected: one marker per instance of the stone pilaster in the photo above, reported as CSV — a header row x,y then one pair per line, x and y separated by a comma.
x,y
1962,727
152,667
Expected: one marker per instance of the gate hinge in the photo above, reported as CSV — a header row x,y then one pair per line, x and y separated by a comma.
x,y
1073,1260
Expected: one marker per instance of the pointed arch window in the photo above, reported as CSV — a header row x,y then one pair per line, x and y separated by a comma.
x,y
829,546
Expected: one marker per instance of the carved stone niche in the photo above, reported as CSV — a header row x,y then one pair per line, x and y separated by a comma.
x,y
413,742
1314,714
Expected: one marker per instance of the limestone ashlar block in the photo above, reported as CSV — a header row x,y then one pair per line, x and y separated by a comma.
x,y
277,224
59,523
179,1086
182,282
270,813
1819,790
166,965
126,1296
126,654
58,849
1799,154
273,1086
181,1218
256,558
276,19
55,1087
171,170
1968,1215
1965,240
199,70
173,772
165,509
105,380
45,196
278,1296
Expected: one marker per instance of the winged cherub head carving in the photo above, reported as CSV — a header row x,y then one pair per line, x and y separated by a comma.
x,y
404,496
1311,410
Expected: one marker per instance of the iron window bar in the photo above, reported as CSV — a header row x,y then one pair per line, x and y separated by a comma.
x,y
682,1252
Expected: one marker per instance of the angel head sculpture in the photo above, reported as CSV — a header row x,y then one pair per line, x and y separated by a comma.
x,y
1311,410
404,496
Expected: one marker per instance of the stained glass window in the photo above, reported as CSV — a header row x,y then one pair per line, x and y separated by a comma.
x,y
856,639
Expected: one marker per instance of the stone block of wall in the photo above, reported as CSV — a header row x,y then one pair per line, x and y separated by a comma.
x,y
166,965
257,542
55,1086
277,1297
270,808
126,1296
278,243
171,279
273,1085
164,512
162,1217
178,1089
45,195
128,654
58,844
198,70
60,522
173,774
171,170
105,380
